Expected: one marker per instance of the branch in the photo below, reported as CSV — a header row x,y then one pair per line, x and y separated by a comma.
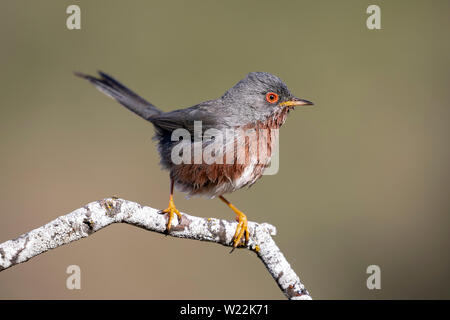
x,y
96,215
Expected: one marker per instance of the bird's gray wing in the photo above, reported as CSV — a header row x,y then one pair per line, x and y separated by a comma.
x,y
205,114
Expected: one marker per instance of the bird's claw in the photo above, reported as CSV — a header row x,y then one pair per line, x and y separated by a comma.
x,y
171,211
242,234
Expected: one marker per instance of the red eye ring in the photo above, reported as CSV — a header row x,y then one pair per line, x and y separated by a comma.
x,y
271,97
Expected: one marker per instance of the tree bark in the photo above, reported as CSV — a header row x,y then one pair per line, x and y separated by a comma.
x,y
96,215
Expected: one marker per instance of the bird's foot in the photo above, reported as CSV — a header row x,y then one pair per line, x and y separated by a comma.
x,y
242,234
171,211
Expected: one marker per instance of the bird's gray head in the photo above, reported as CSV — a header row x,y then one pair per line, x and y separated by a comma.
x,y
260,95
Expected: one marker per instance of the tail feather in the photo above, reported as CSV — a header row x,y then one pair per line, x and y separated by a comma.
x,y
122,94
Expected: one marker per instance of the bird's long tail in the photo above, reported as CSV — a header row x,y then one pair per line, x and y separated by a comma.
x,y
114,89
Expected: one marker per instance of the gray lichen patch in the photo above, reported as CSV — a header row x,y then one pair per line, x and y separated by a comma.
x,y
182,224
111,205
15,258
292,293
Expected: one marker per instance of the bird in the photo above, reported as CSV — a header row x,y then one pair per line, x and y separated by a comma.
x,y
259,104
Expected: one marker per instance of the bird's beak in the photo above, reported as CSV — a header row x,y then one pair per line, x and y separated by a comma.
x,y
296,102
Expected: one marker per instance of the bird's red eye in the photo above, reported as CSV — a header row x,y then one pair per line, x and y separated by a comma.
x,y
271,97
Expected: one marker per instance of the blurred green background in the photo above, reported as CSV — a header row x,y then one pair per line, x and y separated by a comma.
x,y
364,176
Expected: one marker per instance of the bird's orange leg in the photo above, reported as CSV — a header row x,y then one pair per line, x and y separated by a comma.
x,y
171,210
242,227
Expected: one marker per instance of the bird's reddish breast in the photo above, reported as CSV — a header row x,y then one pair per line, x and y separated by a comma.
x,y
220,178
